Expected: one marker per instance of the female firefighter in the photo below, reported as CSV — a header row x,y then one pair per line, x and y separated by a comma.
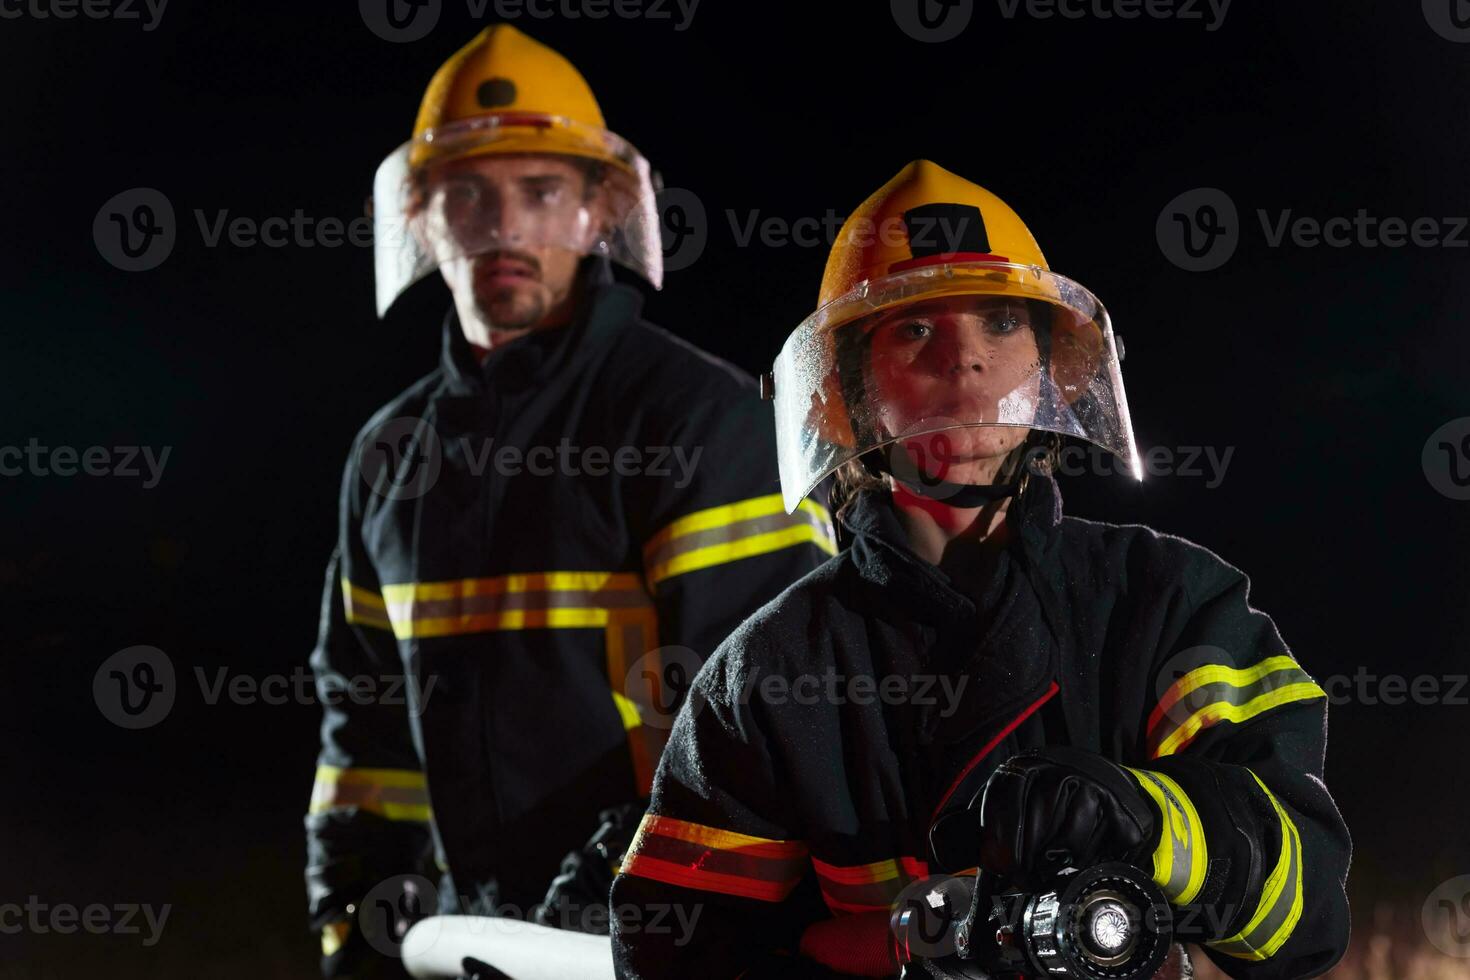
x,y
976,679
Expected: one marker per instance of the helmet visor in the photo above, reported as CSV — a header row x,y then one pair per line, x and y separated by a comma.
x,y
513,185
949,365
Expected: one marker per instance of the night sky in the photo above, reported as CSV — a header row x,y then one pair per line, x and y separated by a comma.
x,y
1326,371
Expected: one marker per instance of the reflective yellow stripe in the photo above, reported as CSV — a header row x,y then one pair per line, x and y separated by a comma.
x,y
627,710
396,794
632,635
733,531
1224,693
524,582
1237,676
614,602
693,855
719,554
724,840
866,887
1281,896
364,607
713,517
535,600
334,935
1182,856
1213,714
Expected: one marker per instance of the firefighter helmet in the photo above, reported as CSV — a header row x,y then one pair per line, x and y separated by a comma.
x,y
506,93
928,235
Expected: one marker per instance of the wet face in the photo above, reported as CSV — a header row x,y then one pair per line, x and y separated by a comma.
x,y
949,361
526,222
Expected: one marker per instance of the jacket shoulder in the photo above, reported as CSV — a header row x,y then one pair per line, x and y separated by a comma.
x,y
410,403
672,364
1125,555
791,633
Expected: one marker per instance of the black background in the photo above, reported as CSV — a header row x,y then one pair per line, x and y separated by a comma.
x,y
1326,369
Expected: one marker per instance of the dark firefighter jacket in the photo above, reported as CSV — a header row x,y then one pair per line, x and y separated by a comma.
x,y
823,739
543,534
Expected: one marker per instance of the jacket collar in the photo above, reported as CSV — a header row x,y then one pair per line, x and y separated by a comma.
x,y
881,551
607,309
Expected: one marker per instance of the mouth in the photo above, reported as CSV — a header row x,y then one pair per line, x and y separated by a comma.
x,y
506,270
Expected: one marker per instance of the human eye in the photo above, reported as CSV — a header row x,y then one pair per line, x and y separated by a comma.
x,y
914,329
545,194
462,191
1004,323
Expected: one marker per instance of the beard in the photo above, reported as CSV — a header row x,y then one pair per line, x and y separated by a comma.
x,y
512,308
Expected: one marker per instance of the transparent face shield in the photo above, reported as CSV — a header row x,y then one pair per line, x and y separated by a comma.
x,y
948,367
522,186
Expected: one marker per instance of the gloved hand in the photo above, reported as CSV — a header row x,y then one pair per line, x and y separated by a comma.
x,y
578,896
1056,807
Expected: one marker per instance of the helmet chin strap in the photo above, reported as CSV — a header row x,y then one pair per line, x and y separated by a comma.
x,y
962,495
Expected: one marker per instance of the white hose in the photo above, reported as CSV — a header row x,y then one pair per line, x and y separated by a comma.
x,y
435,948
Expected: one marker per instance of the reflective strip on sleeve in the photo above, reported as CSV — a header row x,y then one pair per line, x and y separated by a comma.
x,y
1281,897
1181,857
692,855
734,531
395,794
1215,693
536,600
866,887
364,607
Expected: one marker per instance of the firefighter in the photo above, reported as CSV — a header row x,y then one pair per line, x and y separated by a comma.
x,y
995,684
573,502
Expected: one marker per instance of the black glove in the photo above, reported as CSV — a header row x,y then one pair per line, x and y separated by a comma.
x,y
578,896
1052,808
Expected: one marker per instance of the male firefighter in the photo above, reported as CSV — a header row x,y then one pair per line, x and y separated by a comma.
x,y
1005,687
572,503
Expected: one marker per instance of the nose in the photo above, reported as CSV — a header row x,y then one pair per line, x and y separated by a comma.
x,y
963,349
497,217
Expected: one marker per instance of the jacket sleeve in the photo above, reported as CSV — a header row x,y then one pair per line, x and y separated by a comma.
x,y
1253,849
718,542
717,880
368,815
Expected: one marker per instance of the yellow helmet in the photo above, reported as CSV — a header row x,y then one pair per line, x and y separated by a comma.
x,y
925,215
506,93
538,100
928,234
